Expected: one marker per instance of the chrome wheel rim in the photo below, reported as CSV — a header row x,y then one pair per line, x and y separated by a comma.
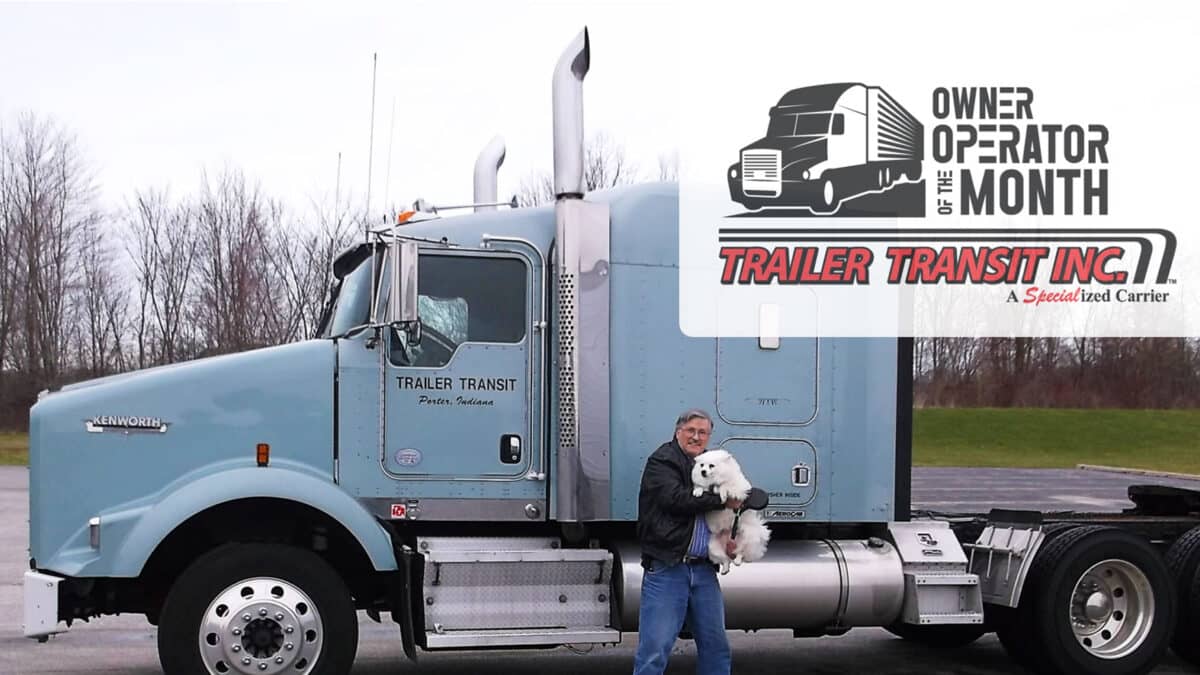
x,y
261,626
1112,609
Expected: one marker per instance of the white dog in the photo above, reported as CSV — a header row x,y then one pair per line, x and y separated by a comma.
x,y
718,472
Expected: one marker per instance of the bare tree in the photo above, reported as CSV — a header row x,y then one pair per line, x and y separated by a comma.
x,y
101,308
8,281
50,198
605,165
232,217
162,248
330,230
536,189
668,166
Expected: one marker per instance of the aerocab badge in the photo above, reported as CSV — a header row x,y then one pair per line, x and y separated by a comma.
x,y
125,423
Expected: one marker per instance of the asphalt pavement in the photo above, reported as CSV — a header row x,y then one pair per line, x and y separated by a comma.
x,y
126,644
955,489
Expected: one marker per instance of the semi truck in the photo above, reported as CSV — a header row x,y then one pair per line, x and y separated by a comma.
x,y
826,144
459,450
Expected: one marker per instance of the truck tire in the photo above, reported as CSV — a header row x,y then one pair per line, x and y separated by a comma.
x,y
241,606
1101,604
1013,625
1183,560
827,199
938,637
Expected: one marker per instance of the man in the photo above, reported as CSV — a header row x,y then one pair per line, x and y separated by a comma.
x,y
679,581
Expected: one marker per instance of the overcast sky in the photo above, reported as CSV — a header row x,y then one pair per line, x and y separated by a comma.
x,y
158,91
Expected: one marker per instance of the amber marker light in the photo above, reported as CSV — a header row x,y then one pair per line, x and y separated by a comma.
x,y
263,453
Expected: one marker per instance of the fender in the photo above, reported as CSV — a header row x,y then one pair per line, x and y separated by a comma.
x,y
130,534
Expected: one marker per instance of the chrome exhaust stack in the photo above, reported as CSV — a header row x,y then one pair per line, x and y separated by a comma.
x,y
568,118
581,266
487,167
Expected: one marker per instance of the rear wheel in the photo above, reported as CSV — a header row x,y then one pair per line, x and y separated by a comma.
x,y
249,609
1097,601
1183,561
1014,624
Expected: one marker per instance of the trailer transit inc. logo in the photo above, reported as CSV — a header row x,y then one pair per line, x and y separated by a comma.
x,y
842,151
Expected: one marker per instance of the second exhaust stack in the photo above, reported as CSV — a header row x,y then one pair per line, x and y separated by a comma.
x,y
568,118
487,165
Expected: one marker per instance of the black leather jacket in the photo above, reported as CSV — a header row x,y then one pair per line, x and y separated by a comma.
x,y
666,507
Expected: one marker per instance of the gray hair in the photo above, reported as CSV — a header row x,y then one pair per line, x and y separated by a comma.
x,y
689,415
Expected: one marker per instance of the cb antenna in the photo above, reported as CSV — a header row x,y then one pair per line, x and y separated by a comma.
x,y
371,143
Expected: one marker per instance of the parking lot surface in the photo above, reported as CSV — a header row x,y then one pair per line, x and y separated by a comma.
x,y
126,644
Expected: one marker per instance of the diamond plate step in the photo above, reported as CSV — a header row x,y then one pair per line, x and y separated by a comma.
x,y
507,637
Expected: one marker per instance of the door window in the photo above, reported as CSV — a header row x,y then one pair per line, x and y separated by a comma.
x,y
464,299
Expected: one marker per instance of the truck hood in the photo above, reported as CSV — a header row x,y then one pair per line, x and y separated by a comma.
x,y
213,411
109,379
797,152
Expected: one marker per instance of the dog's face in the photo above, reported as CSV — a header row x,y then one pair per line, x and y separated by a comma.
x,y
710,467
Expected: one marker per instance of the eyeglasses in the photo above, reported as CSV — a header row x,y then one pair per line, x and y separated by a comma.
x,y
696,432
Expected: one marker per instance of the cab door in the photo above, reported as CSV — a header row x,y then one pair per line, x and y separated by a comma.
x,y
462,426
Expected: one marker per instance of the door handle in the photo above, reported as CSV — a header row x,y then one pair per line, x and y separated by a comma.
x,y
510,449
801,475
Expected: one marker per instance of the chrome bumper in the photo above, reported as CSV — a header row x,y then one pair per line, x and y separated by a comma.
x,y
41,605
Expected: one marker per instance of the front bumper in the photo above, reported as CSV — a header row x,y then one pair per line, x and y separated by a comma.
x,y
41,605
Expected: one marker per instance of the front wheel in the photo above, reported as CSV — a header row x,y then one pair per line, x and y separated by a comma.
x,y
828,199
250,609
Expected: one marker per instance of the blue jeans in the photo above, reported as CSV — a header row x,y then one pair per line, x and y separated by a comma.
x,y
671,594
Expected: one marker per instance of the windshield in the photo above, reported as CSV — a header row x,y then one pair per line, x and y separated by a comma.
x,y
798,124
352,295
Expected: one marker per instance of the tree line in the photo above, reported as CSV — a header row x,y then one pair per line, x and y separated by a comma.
x,y
1057,372
87,291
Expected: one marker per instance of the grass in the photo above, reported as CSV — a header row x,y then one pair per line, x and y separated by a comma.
x,y
14,448
1163,440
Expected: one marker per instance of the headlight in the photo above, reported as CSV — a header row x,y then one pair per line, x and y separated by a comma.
x,y
733,173
806,175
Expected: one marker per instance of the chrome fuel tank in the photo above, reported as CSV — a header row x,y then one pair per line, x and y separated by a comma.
x,y
804,585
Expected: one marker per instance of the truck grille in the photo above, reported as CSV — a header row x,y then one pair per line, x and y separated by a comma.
x,y
760,165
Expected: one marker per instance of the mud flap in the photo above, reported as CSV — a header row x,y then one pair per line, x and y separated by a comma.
x,y
400,592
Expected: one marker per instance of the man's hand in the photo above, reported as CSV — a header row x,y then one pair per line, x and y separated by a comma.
x,y
731,548
734,504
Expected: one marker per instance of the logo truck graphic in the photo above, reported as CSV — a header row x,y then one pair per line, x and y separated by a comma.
x,y
826,144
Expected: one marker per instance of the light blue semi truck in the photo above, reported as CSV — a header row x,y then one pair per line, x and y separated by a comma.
x,y
461,446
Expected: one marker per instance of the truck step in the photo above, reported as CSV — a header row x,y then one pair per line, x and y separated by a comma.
x,y
944,579
949,619
520,587
933,598
510,637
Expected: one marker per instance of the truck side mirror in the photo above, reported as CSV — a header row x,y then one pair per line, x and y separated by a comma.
x,y
402,300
